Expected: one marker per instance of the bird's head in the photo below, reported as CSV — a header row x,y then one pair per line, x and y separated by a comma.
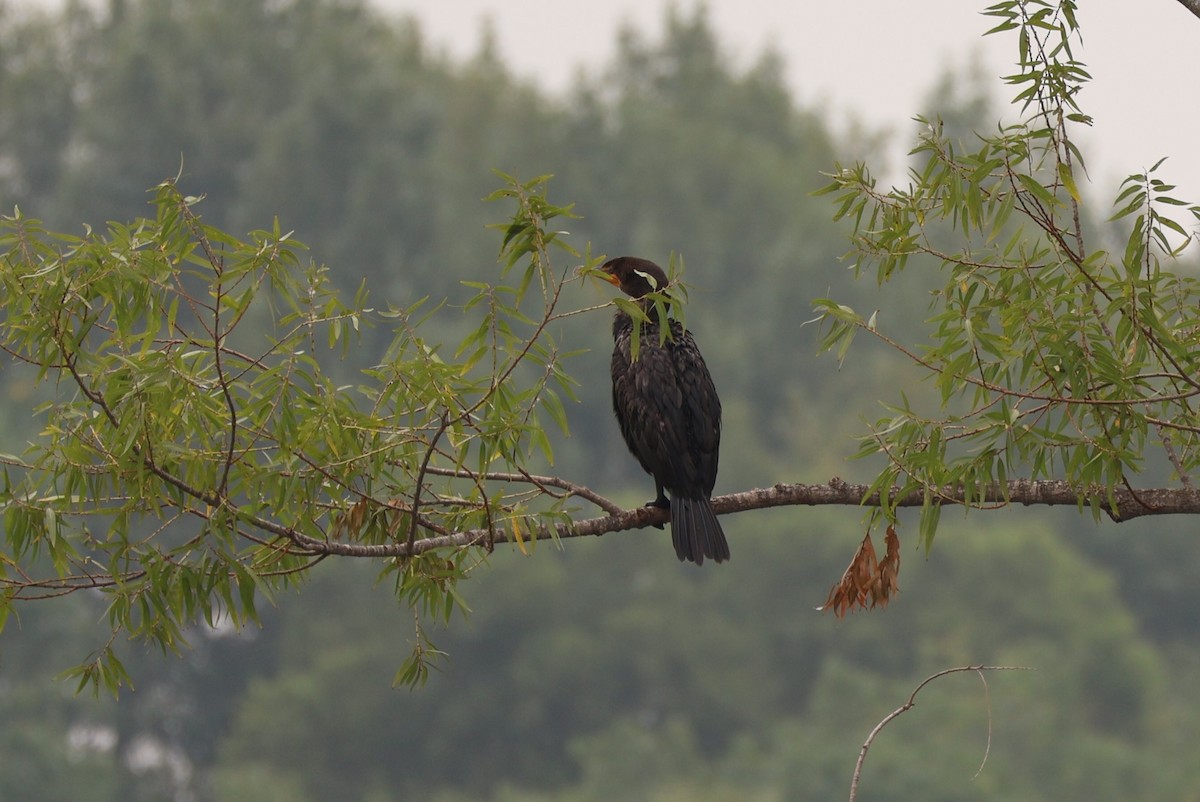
x,y
635,277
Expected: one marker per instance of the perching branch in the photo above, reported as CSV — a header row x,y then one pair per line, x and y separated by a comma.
x,y
1129,504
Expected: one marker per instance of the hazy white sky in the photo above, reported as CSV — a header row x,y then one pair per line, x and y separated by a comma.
x,y
877,58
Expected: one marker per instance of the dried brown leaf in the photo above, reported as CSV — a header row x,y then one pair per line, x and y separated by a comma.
x,y
867,581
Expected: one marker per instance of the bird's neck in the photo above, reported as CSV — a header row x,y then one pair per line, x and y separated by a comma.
x,y
648,306
623,322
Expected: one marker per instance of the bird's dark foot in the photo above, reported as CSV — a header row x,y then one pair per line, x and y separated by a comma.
x,y
662,503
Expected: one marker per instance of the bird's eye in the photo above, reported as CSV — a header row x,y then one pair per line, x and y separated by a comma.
x,y
653,282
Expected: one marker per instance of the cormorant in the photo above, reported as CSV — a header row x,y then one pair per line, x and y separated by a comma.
x,y
668,411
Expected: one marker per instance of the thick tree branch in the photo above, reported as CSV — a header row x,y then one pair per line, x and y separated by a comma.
x,y
1129,504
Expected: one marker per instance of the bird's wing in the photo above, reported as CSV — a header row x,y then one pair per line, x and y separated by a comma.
x,y
700,409
649,402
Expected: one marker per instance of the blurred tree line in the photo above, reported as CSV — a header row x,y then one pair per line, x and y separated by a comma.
x,y
605,670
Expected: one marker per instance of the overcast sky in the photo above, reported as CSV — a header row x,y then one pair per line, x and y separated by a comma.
x,y
877,58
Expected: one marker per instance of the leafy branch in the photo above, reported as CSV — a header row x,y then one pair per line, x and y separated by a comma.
x,y
195,455
1050,360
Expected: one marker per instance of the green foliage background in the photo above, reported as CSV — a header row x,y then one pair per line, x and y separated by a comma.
x,y
605,670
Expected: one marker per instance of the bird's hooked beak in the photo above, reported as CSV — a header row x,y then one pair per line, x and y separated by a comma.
x,y
609,277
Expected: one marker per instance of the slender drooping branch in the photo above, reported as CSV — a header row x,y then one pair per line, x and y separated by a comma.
x,y
912,701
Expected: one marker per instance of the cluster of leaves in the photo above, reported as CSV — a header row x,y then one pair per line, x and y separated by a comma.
x,y
195,455
868,581
1051,359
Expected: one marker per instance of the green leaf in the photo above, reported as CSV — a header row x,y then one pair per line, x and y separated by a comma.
x,y
1068,180
1042,194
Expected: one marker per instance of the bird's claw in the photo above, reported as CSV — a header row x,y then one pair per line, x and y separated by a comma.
x,y
659,503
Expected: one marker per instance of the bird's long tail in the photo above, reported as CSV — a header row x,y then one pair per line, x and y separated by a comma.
x,y
696,532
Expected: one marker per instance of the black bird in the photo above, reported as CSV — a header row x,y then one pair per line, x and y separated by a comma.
x,y
669,412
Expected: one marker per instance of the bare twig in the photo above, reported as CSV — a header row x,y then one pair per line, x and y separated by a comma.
x,y
543,483
1184,478
912,701
420,480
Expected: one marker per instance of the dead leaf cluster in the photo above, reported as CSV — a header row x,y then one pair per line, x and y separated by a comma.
x,y
868,581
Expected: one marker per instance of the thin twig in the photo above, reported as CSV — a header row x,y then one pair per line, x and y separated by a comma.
x,y
987,747
912,701
542,482
420,480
